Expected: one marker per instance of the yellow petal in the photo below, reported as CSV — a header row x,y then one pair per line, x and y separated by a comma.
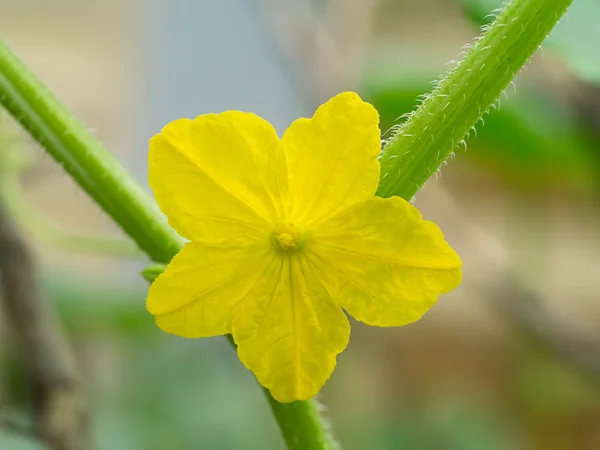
x,y
332,158
202,287
383,263
218,174
289,331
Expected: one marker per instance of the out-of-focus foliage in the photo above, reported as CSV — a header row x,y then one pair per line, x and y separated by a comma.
x,y
530,140
13,442
158,392
575,39
197,393
533,140
548,386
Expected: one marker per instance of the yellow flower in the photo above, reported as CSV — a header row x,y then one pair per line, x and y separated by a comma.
x,y
284,233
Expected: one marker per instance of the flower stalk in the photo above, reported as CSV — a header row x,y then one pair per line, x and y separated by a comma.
x,y
460,99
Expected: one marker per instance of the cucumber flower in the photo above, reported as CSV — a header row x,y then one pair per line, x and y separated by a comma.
x,y
285,236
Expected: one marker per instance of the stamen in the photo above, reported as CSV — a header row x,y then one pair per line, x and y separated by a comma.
x,y
287,236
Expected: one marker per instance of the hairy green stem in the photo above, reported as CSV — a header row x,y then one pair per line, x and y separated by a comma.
x,y
294,427
460,100
83,156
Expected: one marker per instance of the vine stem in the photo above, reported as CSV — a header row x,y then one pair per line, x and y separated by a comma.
x,y
409,159
84,157
447,115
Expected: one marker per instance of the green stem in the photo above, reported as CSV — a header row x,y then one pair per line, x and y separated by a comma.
x,y
84,158
295,426
71,144
461,99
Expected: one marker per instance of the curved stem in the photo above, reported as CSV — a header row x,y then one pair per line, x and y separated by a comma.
x,y
85,158
70,143
460,100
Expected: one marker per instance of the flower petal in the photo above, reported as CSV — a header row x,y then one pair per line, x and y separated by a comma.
x,y
218,173
332,158
383,263
202,287
289,332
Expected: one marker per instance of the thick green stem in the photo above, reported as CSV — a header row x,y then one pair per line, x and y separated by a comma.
x,y
85,158
110,185
460,99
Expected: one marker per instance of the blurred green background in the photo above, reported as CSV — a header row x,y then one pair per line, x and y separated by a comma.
x,y
510,360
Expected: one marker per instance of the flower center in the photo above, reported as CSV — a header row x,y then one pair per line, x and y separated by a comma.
x,y
287,236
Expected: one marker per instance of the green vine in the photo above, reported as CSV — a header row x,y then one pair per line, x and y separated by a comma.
x,y
443,120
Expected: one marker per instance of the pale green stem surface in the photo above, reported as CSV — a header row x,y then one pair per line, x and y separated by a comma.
x,y
295,427
420,148
85,158
460,99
